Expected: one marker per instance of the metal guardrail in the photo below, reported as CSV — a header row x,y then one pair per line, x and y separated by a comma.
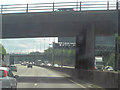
x,y
51,7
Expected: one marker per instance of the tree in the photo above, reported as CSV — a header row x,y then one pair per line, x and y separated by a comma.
x,y
2,49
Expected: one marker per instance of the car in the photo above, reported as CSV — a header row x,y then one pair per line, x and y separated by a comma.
x,y
29,65
42,64
21,63
13,68
56,65
24,64
49,64
33,63
8,79
64,9
109,68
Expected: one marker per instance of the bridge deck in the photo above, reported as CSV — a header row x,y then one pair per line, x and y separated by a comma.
x,y
49,24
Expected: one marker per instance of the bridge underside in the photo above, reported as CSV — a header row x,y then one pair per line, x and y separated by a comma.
x,y
60,24
83,25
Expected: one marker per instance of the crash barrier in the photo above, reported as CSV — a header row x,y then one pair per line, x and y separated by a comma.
x,y
103,79
59,6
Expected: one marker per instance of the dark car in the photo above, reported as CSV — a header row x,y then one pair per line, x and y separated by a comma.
x,y
29,65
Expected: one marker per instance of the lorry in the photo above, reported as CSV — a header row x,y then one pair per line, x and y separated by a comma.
x,y
12,61
38,62
5,60
99,63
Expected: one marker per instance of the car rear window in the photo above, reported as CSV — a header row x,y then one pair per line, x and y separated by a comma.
x,y
2,73
12,66
10,74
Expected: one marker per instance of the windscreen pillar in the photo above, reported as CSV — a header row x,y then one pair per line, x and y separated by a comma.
x,y
119,48
1,39
119,39
85,48
0,47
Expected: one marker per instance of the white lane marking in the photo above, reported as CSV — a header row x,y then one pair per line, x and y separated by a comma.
x,y
35,84
78,84
83,86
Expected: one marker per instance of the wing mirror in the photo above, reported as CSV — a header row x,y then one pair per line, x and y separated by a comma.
x,y
16,76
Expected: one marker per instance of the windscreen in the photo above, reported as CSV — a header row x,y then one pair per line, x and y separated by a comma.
x,y
99,63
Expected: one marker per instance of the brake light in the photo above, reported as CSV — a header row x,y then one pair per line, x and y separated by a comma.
x,y
95,67
72,9
5,73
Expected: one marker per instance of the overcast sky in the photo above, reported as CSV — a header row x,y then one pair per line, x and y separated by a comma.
x,y
31,44
33,1
26,45
39,1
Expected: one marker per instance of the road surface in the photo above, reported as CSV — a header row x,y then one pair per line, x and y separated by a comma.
x,y
39,77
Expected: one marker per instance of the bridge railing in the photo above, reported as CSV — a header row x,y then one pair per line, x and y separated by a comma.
x,y
59,6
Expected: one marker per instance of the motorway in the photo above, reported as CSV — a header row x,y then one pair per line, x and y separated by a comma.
x,y
39,77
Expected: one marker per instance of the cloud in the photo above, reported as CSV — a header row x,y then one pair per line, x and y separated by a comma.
x,y
22,45
28,44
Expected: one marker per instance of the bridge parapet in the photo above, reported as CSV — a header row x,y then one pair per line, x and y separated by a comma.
x,y
59,6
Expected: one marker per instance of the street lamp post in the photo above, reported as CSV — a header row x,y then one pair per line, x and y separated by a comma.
x,y
53,55
40,47
44,49
62,56
53,52
77,6
44,45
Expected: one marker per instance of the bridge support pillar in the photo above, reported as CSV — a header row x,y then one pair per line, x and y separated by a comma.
x,y
85,48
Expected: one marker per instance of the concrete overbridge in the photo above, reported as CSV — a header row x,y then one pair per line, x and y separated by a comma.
x,y
62,24
84,25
